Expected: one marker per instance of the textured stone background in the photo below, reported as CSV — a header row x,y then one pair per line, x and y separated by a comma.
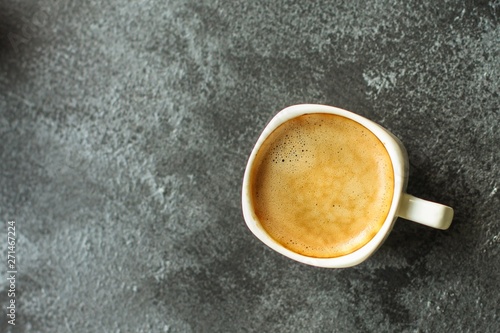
x,y
124,132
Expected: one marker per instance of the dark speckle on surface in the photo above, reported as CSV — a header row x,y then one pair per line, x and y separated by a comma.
x,y
124,133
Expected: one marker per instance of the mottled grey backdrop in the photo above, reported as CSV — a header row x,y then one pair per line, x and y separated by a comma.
x,y
124,132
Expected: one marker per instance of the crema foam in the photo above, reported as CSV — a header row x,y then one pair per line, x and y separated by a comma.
x,y
322,185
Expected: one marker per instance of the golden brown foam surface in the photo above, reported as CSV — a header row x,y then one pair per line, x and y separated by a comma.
x,y
322,185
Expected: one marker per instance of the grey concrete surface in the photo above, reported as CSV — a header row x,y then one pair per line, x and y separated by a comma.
x,y
124,131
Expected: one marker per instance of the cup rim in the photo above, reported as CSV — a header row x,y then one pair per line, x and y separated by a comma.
x,y
398,157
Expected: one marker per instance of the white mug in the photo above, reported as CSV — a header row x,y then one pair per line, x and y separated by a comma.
x,y
403,205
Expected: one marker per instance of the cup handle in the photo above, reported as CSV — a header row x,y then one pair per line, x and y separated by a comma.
x,y
425,212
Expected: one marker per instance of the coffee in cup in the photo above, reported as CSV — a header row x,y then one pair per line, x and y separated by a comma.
x,y
322,185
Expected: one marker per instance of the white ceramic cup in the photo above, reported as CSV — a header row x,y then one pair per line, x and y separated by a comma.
x,y
403,205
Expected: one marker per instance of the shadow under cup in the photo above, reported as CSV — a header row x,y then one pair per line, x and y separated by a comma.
x,y
397,202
